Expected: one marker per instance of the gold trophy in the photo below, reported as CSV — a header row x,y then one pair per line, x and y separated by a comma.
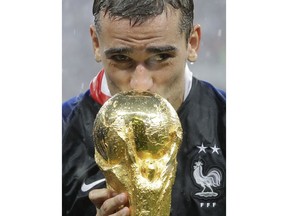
x,y
137,136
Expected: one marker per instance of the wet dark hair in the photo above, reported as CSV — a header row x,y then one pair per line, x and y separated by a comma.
x,y
138,11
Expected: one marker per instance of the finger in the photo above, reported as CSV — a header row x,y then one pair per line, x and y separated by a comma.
x,y
123,212
113,205
98,196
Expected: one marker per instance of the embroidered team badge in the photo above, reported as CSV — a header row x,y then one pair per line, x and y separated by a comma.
x,y
212,179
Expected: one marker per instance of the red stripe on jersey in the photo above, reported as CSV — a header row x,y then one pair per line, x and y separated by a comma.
x,y
95,89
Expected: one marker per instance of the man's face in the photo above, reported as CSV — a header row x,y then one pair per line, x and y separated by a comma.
x,y
146,57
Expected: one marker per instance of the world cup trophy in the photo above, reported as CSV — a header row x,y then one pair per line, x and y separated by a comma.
x,y
137,136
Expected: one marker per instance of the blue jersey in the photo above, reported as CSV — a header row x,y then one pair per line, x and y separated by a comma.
x,y
200,183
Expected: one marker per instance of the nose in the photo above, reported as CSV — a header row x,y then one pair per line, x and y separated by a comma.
x,y
141,79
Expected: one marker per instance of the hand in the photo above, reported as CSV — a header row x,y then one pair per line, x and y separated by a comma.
x,y
108,202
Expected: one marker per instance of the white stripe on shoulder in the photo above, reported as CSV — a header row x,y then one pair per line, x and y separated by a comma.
x,y
104,86
188,81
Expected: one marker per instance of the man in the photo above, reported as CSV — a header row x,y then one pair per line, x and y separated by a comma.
x,y
144,45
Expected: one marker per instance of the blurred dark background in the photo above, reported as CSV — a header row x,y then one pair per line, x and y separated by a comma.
x,y
79,66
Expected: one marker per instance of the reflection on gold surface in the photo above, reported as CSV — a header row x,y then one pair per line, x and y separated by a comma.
x,y
137,136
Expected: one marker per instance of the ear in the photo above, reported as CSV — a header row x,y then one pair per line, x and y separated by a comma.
x,y
194,43
95,43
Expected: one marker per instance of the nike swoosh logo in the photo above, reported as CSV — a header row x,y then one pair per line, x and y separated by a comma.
x,y
87,187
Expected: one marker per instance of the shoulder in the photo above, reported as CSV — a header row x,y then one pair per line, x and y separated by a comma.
x,y
219,93
69,105
205,96
77,124
78,110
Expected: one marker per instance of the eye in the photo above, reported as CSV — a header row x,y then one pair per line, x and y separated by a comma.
x,y
120,58
161,57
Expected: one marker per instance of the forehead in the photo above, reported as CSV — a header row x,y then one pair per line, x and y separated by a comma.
x,y
162,26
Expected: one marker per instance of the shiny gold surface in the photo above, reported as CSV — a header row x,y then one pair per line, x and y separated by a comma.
x,y
137,136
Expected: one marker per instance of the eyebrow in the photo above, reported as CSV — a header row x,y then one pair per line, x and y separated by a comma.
x,y
161,49
152,49
118,50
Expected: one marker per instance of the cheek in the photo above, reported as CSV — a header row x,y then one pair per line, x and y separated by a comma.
x,y
113,74
170,77
117,81
120,77
171,85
